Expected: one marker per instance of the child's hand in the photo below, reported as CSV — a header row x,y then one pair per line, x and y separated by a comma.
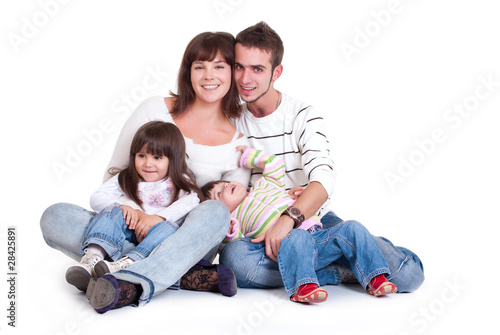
x,y
144,224
130,216
241,149
295,192
231,226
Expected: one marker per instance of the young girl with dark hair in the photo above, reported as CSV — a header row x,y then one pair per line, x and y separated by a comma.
x,y
143,204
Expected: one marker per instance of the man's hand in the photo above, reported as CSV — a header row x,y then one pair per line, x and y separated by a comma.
x,y
275,235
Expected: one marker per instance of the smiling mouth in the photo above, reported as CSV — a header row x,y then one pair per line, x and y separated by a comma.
x,y
247,89
210,87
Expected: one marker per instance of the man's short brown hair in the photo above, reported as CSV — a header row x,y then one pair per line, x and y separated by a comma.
x,y
263,37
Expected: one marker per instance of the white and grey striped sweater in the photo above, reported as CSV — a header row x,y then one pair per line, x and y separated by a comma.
x,y
295,132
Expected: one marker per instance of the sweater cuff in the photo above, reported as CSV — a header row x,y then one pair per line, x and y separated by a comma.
x,y
244,157
235,227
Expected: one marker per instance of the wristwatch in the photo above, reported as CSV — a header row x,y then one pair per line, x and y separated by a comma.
x,y
295,214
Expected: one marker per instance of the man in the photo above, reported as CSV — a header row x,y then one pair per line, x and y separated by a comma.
x,y
294,131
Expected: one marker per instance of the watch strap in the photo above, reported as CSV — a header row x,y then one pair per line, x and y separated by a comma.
x,y
297,219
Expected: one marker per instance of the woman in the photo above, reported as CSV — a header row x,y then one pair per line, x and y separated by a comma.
x,y
206,99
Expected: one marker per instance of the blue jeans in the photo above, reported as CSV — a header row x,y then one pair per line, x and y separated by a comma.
x,y
64,227
254,269
302,252
109,230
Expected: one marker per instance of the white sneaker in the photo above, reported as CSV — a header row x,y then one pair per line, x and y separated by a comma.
x,y
79,275
104,267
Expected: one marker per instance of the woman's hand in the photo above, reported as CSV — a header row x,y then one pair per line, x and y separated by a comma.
x,y
241,148
144,224
130,216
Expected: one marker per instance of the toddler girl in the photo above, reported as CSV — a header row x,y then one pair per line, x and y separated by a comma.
x,y
143,204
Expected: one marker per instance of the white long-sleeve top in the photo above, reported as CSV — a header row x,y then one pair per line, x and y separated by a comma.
x,y
156,197
206,162
295,132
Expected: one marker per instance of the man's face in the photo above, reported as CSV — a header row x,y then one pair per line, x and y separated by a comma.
x,y
230,194
253,72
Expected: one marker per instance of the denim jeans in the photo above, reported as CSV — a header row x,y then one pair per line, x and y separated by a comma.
x,y
64,227
302,252
254,269
109,230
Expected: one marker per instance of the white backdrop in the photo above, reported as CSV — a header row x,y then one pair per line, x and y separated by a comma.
x,y
410,91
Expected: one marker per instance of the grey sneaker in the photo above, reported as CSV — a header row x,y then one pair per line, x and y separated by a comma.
x,y
104,267
79,275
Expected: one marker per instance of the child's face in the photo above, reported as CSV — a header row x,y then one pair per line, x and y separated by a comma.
x,y
151,167
230,194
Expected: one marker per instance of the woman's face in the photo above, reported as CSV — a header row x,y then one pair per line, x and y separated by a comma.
x,y
211,80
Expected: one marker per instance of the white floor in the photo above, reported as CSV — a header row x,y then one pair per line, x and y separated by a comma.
x,y
447,302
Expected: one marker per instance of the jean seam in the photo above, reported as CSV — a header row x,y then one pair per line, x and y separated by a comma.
x,y
136,255
365,279
303,281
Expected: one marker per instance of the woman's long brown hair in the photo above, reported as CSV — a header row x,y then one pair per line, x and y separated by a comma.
x,y
205,47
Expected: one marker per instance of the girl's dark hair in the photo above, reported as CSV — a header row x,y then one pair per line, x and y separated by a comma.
x,y
205,47
162,139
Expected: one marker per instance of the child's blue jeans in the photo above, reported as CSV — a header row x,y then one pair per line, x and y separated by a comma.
x,y
109,230
303,252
